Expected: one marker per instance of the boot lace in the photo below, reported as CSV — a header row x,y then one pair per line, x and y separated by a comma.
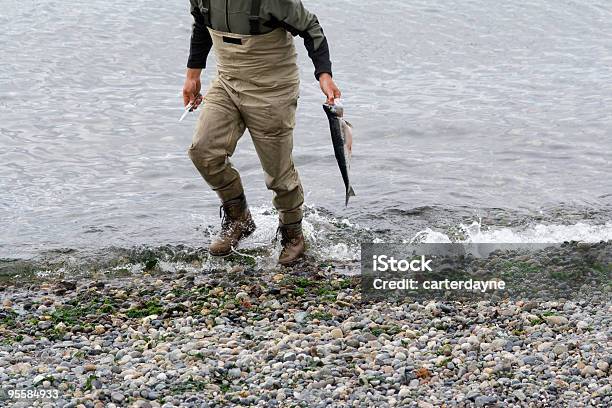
x,y
226,221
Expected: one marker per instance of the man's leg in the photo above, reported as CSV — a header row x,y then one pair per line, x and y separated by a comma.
x,y
218,130
270,120
271,124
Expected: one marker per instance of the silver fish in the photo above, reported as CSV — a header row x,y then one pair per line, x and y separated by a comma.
x,y
342,140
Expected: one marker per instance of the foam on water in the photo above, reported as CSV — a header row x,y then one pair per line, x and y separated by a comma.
x,y
329,238
539,233
339,240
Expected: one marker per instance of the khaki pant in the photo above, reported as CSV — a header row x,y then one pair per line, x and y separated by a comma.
x,y
257,87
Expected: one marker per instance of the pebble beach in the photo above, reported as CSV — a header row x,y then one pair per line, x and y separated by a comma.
x,y
301,337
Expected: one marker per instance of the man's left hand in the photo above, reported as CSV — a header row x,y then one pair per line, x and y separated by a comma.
x,y
329,88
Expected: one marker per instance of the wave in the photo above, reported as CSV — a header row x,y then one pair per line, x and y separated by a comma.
x,y
538,233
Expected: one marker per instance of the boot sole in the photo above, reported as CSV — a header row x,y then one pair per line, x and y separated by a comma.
x,y
244,235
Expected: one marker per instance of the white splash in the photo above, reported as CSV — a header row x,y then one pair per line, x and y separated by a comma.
x,y
539,233
317,228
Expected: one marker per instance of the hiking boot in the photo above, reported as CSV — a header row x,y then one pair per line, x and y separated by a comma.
x,y
292,241
236,224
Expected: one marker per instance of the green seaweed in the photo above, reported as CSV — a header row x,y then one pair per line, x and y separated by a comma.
x,y
321,316
536,321
9,319
390,330
150,307
71,314
89,383
190,385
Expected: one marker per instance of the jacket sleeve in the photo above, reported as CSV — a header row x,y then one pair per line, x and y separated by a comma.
x,y
293,16
200,39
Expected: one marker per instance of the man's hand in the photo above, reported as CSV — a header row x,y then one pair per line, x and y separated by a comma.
x,y
329,88
191,88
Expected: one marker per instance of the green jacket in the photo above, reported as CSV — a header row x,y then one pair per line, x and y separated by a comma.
x,y
234,16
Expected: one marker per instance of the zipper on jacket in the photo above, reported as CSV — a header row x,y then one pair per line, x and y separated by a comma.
x,y
227,16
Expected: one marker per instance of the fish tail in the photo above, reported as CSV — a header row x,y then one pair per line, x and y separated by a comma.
x,y
349,193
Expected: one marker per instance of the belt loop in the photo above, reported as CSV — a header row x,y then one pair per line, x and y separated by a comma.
x,y
254,17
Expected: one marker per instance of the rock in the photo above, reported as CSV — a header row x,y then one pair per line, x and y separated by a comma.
x,y
466,347
38,379
117,396
605,390
153,395
485,400
530,305
274,304
27,340
89,367
559,349
582,325
44,324
520,395
588,371
498,344
300,317
545,347
603,366
99,329
289,356
433,309
337,333
174,355
411,334
353,341
340,392
530,360
472,395
234,373
556,320
404,392
474,341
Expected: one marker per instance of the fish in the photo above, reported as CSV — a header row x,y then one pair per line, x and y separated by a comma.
x,y
342,140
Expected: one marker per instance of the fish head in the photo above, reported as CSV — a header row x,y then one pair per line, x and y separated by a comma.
x,y
336,110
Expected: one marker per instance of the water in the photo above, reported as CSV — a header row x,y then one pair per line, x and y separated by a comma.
x,y
464,111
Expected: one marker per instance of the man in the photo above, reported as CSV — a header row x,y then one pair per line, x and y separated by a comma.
x,y
256,87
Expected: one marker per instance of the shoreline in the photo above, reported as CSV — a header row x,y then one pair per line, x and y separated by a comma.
x,y
297,337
